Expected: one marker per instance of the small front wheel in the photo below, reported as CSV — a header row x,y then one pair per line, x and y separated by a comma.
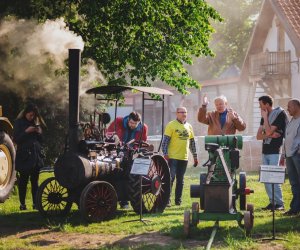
x,y
248,222
186,222
250,208
52,199
195,212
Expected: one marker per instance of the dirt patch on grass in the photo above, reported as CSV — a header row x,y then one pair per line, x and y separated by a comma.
x,y
48,239
55,240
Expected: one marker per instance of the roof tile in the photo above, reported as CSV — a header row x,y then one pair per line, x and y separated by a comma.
x,y
291,9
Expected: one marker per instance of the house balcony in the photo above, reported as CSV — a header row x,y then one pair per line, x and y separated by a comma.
x,y
270,65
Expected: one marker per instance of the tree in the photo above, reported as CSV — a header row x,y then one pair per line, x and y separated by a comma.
x,y
137,40
232,36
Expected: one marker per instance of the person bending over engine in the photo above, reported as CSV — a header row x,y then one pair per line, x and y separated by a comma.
x,y
128,128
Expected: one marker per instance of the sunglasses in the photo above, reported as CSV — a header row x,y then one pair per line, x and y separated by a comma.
x,y
182,112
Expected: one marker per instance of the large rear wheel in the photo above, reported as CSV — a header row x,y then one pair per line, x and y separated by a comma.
x,y
52,199
156,187
7,166
98,201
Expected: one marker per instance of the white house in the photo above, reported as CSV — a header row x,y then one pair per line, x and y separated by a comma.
x,y
271,64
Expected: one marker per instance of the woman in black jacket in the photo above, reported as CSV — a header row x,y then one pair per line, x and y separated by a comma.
x,y
27,136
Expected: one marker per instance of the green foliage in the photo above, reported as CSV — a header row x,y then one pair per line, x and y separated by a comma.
x,y
37,9
232,37
142,41
137,40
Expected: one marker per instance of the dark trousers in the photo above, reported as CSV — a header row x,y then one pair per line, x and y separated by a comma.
x,y
177,170
293,168
22,184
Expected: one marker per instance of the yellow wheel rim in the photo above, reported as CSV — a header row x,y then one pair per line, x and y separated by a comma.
x,y
5,166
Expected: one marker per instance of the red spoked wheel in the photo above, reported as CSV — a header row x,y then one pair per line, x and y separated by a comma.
x,y
98,201
156,187
52,199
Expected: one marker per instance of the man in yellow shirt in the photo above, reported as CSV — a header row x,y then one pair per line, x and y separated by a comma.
x,y
178,139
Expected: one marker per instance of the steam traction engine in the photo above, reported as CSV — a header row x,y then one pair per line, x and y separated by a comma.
x,y
94,173
7,158
218,190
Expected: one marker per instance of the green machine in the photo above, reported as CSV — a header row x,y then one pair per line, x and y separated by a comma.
x,y
219,189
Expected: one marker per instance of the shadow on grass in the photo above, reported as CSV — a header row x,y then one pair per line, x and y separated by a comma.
x,y
175,239
283,224
14,223
155,240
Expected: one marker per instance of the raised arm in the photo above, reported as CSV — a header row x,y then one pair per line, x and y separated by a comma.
x,y
202,113
203,116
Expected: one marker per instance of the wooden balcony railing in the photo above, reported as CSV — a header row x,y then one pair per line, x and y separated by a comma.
x,y
270,63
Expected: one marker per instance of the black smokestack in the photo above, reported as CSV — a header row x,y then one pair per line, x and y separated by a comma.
x,y
74,80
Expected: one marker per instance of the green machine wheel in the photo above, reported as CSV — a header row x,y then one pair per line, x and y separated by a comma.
x,y
242,182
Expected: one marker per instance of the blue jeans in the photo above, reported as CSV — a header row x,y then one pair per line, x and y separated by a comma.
x,y
273,159
293,168
177,169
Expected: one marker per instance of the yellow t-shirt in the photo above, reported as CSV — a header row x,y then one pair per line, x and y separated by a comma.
x,y
180,135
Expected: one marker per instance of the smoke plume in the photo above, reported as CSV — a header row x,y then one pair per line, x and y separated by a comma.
x,y
33,57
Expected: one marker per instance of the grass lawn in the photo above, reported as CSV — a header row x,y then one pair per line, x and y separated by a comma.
x,y
170,223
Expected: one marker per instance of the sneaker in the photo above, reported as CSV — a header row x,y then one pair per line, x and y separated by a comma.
x,y
269,207
290,213
124,206
23,207
178,203
169,204
279,207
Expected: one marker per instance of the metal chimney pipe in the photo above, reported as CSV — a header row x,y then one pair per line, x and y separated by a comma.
x,y
74,81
